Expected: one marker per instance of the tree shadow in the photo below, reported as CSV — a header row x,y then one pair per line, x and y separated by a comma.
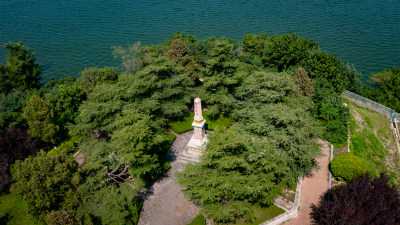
x,y
5,218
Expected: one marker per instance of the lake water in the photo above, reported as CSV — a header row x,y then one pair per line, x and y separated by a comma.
x,y
69,36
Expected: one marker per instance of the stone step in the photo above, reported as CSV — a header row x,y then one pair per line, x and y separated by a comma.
x,y
188,157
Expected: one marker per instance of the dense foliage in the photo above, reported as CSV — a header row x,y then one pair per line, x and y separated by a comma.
x,y
232,175
235,172
21,70
387,89
46,182
362,201
65,217
329,109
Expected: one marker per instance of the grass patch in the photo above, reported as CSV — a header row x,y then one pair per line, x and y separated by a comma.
x,y
136,209
261,214
198,220
338,151
369,122
170,137
289,192
184,124
14,210
289,195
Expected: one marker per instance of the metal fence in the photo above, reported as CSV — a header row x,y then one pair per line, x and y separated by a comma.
x,y
367,103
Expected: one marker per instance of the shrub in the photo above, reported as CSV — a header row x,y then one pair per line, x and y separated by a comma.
x,y
348,166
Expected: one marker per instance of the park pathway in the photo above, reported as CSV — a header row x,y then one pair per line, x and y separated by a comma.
x,y
164,203
312,187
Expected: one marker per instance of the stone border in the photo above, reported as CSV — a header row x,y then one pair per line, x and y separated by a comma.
x,y
291,213
330,173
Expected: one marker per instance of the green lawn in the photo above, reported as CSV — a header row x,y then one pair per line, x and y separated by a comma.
x,y
185,124
262,214
14,210
372,139
198,220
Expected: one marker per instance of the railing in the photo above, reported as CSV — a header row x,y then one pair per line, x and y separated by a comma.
x,y
386,111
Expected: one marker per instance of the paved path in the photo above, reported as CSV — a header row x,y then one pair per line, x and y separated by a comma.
x,y
312,187
165,203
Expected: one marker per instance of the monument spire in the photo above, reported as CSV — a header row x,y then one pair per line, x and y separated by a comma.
x,y
199,121
198,114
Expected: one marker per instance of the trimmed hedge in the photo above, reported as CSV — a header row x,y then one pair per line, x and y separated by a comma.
x,y
347,166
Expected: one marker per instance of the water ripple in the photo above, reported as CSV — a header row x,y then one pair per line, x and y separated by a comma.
x,y
69,36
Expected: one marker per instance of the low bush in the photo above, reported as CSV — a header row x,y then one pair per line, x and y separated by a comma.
x,y
348,166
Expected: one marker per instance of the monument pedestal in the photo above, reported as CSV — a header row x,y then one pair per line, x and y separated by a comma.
x,y
193,150
196,146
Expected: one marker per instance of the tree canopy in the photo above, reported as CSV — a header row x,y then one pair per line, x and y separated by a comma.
x,y
21,70
387,90
278,89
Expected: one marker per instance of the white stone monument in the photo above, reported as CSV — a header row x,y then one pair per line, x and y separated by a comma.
x,y
198,141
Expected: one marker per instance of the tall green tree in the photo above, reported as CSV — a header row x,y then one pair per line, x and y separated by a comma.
x,y
21,71
46,182
66,103
277,51
178,52
323,65
287,50
159,89
11,109
40,118
135,147
93,75
223,72
302,79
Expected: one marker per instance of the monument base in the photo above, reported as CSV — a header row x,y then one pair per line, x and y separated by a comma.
x,y
194,149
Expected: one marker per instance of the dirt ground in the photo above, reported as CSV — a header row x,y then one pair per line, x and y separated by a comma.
x,y
312,187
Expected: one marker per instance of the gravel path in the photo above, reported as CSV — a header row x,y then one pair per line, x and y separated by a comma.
x,y
165,203
312,187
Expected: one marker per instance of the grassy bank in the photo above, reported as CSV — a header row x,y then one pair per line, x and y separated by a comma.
x,y
372,139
